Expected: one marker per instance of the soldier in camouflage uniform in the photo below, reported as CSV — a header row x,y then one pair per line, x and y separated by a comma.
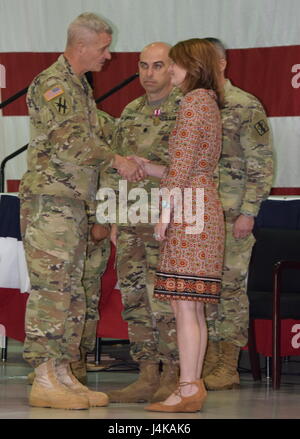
x,y
245,180
98,251
97,254
64,156
143,130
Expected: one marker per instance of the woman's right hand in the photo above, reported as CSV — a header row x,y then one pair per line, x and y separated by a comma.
x,y
160,231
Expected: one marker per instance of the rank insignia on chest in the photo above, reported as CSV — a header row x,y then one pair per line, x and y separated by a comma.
x,y
53,93
261,127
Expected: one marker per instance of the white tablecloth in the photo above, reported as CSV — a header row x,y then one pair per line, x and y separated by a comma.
x,y
13,268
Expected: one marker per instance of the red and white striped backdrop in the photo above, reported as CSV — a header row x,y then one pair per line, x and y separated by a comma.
x,y
263,58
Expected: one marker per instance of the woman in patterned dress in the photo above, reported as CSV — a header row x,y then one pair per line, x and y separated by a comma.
x,y
191,258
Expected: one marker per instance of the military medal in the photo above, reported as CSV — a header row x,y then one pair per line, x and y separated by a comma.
x,y
156,114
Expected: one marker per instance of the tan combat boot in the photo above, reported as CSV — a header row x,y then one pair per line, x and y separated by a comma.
x,y
65,376
168,382
142,389
225,375
48,391
78,369
30,377
211,358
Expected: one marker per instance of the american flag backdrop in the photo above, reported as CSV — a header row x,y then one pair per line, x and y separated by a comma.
x,y
262,37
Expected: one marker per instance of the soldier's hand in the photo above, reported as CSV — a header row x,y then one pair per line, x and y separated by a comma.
x,y
141,162
129,169
99,232
243,226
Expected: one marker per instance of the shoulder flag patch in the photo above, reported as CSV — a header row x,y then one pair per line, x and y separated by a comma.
x,y
53,93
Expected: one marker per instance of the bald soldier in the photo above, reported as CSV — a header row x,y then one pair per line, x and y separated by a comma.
x,y
66,150
245,180
143,130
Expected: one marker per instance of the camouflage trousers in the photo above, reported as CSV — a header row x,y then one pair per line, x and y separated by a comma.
x,y
55,236
95,265
151,322
97,255
230,318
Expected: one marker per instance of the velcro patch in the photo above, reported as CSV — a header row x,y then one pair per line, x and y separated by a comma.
x,y
261,127
61,105
53,93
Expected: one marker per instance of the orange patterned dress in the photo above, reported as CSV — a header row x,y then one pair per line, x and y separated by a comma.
x,y
190,264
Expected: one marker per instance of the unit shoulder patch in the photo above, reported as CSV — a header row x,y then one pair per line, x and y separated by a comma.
x,y
261,127
61,105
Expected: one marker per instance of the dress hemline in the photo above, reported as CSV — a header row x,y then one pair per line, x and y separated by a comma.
x,y
185,297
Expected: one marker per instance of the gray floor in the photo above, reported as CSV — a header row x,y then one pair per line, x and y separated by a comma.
x,y
254,400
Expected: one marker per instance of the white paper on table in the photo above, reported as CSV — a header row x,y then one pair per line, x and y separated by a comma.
x,y
13,268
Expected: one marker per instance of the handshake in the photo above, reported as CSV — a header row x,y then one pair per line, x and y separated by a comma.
x,y
131,168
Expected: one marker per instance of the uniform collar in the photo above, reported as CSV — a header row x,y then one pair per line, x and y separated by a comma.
x,y
65,65
67,68
162,102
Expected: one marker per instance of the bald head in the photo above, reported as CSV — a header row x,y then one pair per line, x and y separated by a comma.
x,y
158,48
153,69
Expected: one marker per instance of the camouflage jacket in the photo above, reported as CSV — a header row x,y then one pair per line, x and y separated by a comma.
x,y
67,145
246,163
107,125
144,132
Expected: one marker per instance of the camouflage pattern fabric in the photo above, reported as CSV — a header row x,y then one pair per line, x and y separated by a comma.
x,y
67,148
229,319
151,323
107,125
54,236
140,132
63,118
245,180
246,163
97,254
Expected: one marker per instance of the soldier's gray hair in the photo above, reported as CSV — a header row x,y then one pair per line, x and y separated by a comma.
x,y
218,45
87,21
